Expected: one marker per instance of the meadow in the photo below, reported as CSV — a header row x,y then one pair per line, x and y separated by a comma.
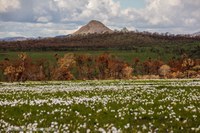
x,y
125,55
101,106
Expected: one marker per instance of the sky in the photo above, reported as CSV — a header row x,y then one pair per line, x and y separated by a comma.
x,y
46,18
131,3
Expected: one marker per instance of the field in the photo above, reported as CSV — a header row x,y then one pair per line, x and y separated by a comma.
x,y
101,106
127,56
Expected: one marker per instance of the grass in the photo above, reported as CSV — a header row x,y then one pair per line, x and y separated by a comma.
x,y
128,56
126,106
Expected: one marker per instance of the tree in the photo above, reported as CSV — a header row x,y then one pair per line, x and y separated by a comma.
x,y
188,63
164,70
86,67
127,72
10,73
62,71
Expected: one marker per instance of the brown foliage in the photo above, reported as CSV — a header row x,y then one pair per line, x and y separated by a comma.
x,y
164,70
111,68
152,66
62,71
88,67
22,69
61,74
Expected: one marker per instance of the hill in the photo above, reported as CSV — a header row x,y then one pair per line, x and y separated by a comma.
x,y
93,26
10,39
196,34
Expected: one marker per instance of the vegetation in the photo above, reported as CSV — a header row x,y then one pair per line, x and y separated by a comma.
x,y
125,55
101,106
136,41
128,55
88,67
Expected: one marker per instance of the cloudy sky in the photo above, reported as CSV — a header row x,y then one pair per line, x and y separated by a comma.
x,y
33,18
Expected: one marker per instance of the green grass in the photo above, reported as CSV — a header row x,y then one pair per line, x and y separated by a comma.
x,y
128,106
123,55
163,52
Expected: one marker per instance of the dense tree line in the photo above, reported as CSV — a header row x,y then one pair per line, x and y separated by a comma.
x,y
104,66
116,40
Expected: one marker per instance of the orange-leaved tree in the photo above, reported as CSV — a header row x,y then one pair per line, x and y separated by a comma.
x,y
62,70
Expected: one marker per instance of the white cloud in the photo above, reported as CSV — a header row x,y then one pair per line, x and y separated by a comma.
x,y
11,29
176,16
86,10
70,5
6,5
44,19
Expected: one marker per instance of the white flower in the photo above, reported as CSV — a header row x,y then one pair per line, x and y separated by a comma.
x,y
101,130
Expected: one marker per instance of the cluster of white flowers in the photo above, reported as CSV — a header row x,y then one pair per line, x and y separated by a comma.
x,y
101,106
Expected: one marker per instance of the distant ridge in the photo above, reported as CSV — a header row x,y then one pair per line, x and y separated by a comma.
x,y
93,26
11,39
196,34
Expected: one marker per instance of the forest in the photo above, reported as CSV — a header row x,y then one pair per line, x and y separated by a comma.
x,y
158,43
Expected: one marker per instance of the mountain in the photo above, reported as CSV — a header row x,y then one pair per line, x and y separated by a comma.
x,y
196,34
11,39
124,30
93,26
63,36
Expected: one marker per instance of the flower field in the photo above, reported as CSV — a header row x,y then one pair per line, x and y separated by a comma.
x,y
101,106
